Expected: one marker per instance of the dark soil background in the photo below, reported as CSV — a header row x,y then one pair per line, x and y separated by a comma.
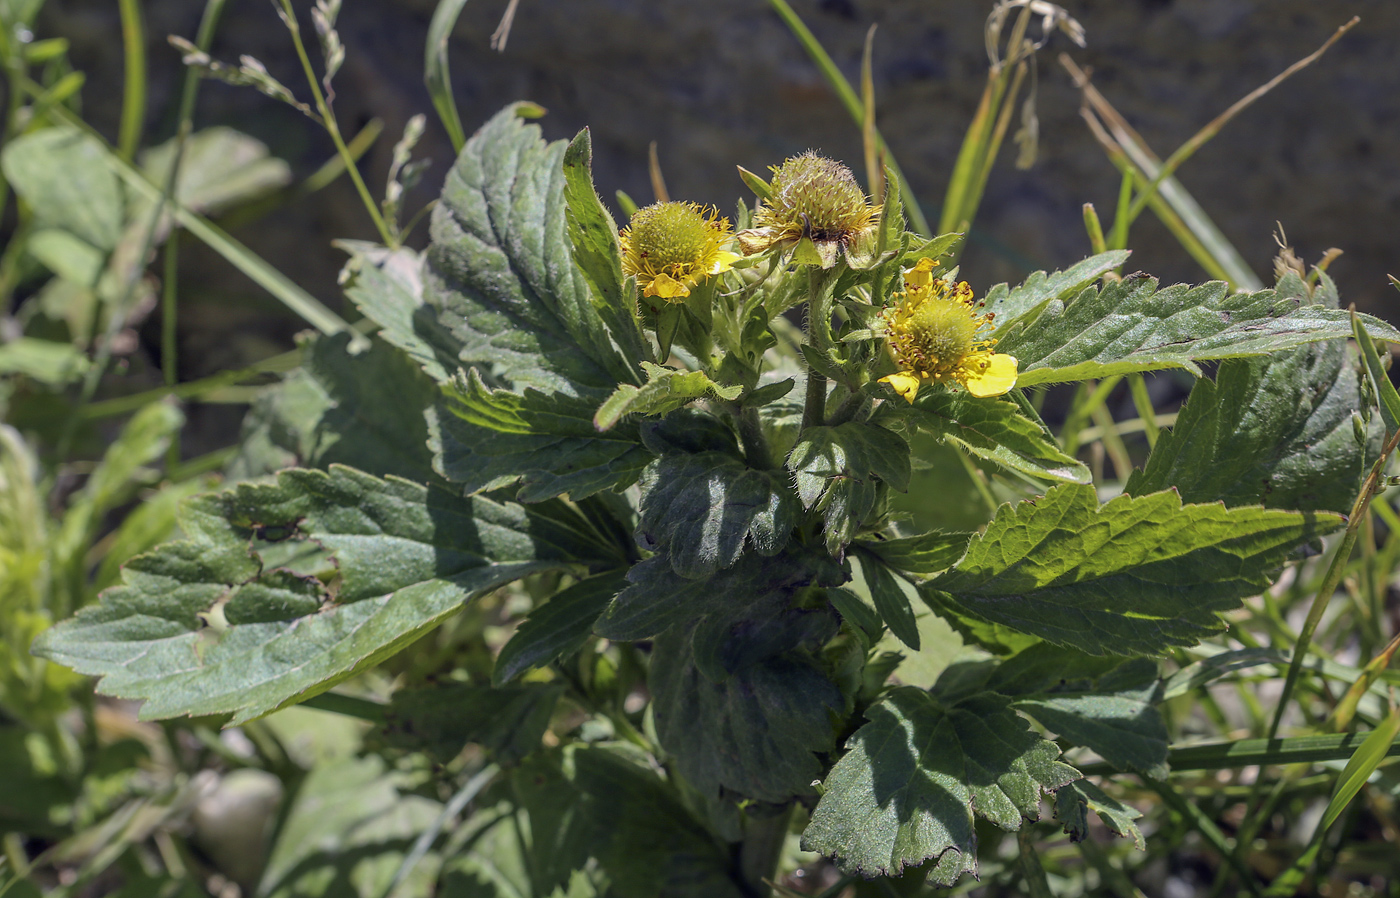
x,y
722,82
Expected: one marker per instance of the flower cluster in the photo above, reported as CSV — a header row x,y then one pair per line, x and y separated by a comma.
x,y
672,247
932,332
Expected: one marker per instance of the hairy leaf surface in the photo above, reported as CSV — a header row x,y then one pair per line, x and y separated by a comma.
x,y
994,429
756,733
558,628
362,409
1135,576
925,554
1074,802
1012,303
914,777
1275,432
700,511
485,439
838,470
500,275
1129,325
286,587
387,286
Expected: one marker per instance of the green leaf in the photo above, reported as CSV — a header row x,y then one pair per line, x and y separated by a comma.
x,y
915,775
922,555
975,629
838,469
362,409
666,390
348,822
1012,304
63,175
1115,716
700,511
1275,432
387,287
891,602
607,802
499,274
557,628
657,598
1134,576
1074,802
219,168
505,721
287,587
1380,380
994,429
598,252
1360,767
485,439
1129,325
757,734
864,619
47,361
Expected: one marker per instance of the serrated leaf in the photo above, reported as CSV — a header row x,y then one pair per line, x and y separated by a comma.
x,y
914,777
596,249
360,409
922,555
1135,576
864,619
657,598
1129,325
666,390
500,274
557,628
1123,728
994,429
1074,801
63,175
387,287
838,470
700,511
1010,304
506,721
381,563
894,606
975,629
606,802
756,734
1275,432
485,439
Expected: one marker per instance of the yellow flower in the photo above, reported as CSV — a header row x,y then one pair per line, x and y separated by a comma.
x,y
932,333
671,247
815,206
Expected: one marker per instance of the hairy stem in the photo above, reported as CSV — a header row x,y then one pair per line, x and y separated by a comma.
x,y
761,850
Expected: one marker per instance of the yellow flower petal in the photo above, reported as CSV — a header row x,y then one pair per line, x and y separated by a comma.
x,y
667,287
920,276
724,260
905,384
996,379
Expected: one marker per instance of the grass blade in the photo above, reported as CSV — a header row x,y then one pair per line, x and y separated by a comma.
x,y
435,72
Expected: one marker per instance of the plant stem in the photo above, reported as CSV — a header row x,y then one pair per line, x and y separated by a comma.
x,y
751,434
819,338
134,91
328,120
761,850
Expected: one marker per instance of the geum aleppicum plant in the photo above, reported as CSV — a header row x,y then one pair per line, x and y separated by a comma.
x,y
712,564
